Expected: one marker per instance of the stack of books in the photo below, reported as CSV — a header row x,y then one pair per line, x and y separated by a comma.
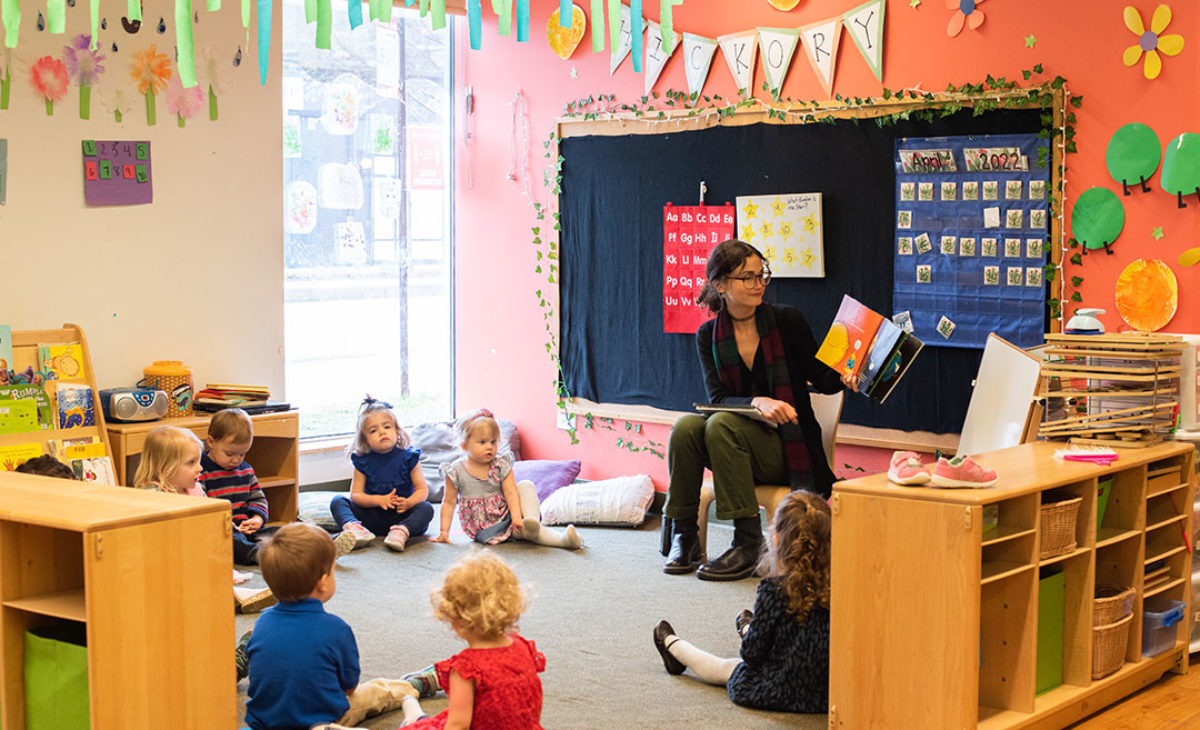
x,y
216,396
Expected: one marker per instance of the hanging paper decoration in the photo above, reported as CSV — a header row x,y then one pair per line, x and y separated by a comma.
x,y
697,60
10,15
50,79
1133,155
1151,42
354,13
264,39
739,50
821,46
1181,167
56,16
615,13
185,50
151,70
965,13
778,45
657,54
475,23
118,102
324,24
666,19
208,79
94,8
565,39
636,27
597,22
183,103
84,67
1147,294
1097,219
623,32
438,11
503,9
522,21
865,26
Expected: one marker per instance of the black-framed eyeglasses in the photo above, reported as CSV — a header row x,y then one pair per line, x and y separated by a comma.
x,y
751,279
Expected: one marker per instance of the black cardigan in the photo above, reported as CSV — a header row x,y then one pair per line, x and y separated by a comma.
x,y
800,349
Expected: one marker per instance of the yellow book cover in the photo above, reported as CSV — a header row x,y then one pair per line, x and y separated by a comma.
x,y
86,451
13,456
65,361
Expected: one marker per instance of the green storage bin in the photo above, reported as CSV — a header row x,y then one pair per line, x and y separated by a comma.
x,y
1051,595
56,679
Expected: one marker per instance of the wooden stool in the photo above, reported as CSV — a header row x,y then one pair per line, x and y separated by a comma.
x,y
768,496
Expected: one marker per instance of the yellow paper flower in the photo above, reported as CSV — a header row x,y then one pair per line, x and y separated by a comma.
x,y
1151,42
151,70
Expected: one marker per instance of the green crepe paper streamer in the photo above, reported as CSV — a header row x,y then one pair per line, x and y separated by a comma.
x,y
424,6
385,10
372,10
214,5
151,115
1097,218
264,40
212,104
439,15
245,16
85,102
95,9
522,21
597,26
635,22
504,11
667,22
184,44
10,14
614,24
564,13
324,24
354,12
56,16
475,23
133,10
310,11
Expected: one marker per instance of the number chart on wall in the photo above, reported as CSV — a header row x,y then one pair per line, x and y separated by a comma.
x,y
117,172
972,220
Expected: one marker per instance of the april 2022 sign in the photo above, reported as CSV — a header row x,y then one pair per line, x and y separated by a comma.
x,y
689,233
117,172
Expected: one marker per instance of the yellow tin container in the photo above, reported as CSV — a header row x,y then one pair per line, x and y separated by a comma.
x,y
175,378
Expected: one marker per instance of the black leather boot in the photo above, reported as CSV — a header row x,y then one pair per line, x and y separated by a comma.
x,y
741,558
685,553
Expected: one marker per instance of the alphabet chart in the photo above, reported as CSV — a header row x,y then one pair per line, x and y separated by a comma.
x,y
972,225
117,172
689,233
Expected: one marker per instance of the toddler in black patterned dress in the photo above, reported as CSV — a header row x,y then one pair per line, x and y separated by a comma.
x,y
784,664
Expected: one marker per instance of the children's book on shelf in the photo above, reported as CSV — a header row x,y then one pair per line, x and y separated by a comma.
x,y
76,405
35,393
876,350
96,470
18,416
13,456
226,395
6,351
61,362
67,448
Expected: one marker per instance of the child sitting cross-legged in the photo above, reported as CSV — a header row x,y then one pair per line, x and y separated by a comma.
x,y
303,662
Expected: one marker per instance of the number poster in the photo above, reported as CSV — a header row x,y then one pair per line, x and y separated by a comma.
x,y
788,230
971,235
689,233
116,172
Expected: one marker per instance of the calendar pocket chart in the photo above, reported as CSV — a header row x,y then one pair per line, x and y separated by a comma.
x,y
972,221
117,172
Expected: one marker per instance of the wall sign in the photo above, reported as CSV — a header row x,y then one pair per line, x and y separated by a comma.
x,y
689,233
117,172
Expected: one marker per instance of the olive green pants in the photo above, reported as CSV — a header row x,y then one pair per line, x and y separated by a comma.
x,y
739,451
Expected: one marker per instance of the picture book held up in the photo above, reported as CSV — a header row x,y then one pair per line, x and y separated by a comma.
x,y
875,350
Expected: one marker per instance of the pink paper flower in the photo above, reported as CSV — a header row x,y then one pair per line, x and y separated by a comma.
x,y
181,101
83,64
965,13
50,78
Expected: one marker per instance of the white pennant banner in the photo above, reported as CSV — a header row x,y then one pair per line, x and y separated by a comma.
x,y
821,44
865,25
656,55
626,35
697,60
739,50
778,45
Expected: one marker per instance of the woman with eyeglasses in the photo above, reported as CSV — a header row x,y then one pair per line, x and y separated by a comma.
x,y
755,354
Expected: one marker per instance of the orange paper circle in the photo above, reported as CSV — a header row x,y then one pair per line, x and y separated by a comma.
x,y
564,41
784,4
1147,294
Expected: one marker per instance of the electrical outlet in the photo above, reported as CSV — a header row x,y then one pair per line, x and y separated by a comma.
x,y
566,421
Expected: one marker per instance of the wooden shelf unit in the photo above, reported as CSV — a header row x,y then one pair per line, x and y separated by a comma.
x,y
274,454
146,574
934,626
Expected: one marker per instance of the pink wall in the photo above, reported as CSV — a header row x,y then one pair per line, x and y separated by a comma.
x,y
502,359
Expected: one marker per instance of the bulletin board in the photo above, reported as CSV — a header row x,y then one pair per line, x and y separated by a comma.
x,y
616,179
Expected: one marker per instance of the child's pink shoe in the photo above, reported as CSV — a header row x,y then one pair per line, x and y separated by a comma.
x,y
962,471
906,469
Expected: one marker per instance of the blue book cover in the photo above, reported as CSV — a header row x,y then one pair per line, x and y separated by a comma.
x,y
76,406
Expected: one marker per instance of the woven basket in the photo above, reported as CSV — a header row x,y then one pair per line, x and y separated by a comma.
x,y
1108,647
1112,603
1058,527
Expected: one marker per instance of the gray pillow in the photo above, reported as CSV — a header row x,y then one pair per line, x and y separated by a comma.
x,y
439,446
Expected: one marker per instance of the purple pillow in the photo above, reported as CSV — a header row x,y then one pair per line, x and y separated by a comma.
x,y
547,476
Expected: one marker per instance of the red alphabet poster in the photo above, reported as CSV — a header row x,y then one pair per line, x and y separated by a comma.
x,y
689,233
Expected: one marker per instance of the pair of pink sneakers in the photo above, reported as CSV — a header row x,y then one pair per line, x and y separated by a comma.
x,y
961,471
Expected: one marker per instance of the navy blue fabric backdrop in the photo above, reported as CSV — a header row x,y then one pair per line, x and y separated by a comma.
x,y
613,346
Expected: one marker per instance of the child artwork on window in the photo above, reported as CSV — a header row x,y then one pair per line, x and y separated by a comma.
x,y
300,207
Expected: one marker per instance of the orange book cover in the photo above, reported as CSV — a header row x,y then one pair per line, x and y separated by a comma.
x,y
849,339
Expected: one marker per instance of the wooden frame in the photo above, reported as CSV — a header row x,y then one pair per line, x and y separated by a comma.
x,y
611,124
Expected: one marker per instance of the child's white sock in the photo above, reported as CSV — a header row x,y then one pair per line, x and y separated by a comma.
x,y
568,538
711,669
412,710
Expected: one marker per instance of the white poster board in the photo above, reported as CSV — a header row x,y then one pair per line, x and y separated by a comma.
x,y
998,413
788,229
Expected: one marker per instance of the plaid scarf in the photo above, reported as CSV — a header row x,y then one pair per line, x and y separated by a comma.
x,y
729,370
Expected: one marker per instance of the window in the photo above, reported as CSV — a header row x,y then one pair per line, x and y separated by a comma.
x,y
367,244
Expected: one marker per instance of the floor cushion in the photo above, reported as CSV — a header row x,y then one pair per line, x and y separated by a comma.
x,y
622,501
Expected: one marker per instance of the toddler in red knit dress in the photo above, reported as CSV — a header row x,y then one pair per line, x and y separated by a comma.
x,y
494,682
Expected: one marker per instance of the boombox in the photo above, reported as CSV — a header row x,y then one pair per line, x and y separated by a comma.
x,y
133,404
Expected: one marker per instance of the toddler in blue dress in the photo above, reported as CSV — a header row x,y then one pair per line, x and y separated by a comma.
x,y
388,492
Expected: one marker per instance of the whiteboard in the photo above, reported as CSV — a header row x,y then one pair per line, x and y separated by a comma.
x,y
1004,388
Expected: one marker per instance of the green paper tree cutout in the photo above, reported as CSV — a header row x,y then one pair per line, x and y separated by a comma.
x,y
1097,219
1181,167
1133,155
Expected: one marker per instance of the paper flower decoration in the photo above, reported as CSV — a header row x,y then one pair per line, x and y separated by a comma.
x,y
119,102
208,77
965,13
84,67
183,103
1151,42
151,70
50,78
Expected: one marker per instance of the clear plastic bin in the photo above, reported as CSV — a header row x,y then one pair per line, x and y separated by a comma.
x,y
1159,619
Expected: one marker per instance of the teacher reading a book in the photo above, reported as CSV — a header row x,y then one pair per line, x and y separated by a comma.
x,y
755,355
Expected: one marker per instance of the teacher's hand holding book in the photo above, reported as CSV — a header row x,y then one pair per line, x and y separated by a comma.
x,y
775,411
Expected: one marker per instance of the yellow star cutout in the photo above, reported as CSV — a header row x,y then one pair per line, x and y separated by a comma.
x,y
807,259
751,210
765,229
789,256
810,223
778,206
747,233
785,229
769,253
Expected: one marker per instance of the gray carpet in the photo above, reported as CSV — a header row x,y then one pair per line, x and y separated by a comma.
x,y
592,613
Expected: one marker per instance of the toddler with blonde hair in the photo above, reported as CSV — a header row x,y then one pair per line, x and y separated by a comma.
x,y
170,462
